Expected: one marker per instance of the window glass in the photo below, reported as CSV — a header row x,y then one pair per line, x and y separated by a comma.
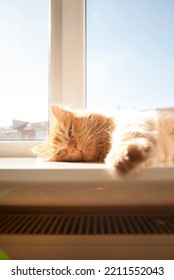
x,y
130,54
23,69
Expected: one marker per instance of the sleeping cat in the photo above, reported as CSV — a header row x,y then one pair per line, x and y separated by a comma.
x,y
126,141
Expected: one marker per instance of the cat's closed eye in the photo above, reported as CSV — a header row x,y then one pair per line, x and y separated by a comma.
x,y
61,152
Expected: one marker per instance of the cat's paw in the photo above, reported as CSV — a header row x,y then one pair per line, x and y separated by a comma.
x,y
129,157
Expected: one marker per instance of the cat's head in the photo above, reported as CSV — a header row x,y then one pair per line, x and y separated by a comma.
x,y
76,136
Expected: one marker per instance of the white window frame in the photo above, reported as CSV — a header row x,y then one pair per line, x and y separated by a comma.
x,y
66,67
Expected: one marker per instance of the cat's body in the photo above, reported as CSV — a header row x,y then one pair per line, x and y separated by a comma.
x,y
126,141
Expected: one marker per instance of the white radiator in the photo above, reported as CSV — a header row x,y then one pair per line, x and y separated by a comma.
x,y
87,235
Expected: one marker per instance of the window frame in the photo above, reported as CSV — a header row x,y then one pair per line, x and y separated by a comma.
x,y
66,53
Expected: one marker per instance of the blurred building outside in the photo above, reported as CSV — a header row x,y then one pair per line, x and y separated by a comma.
x,y
20,130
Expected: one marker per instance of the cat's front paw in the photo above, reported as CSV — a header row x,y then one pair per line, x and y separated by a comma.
x,y
129,157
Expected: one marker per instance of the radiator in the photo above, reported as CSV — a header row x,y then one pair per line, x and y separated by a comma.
x,y
47,235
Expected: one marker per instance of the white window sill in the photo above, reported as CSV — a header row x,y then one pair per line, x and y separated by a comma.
x,y
28,181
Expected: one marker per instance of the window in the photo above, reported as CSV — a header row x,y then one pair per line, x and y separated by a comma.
x,y
24,69
130,54
125,59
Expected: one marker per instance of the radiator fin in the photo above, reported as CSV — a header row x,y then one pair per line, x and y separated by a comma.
x,y
90,224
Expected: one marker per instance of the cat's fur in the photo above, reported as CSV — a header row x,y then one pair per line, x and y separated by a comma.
x,y
126,140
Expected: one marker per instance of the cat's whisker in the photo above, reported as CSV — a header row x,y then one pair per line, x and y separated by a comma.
x,y
99,131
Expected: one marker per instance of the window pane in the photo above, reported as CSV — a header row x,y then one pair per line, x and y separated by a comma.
x,y
23,69
130,54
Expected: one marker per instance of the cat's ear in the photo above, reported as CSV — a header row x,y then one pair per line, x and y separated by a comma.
x,y
58,112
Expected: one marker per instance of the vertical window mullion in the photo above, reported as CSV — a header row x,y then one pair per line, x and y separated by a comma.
x,y
67,53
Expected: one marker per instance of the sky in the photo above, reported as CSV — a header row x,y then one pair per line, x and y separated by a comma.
x,y
130,54
129,59
23,60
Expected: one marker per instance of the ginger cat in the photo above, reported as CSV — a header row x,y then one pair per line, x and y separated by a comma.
x,y
126,141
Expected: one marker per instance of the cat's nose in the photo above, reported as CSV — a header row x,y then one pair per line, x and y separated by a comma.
x,y
73,147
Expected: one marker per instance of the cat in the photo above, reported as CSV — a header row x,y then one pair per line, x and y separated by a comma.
x,y
126,141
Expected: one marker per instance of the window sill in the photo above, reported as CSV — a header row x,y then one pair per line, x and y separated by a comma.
x,y
28,181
